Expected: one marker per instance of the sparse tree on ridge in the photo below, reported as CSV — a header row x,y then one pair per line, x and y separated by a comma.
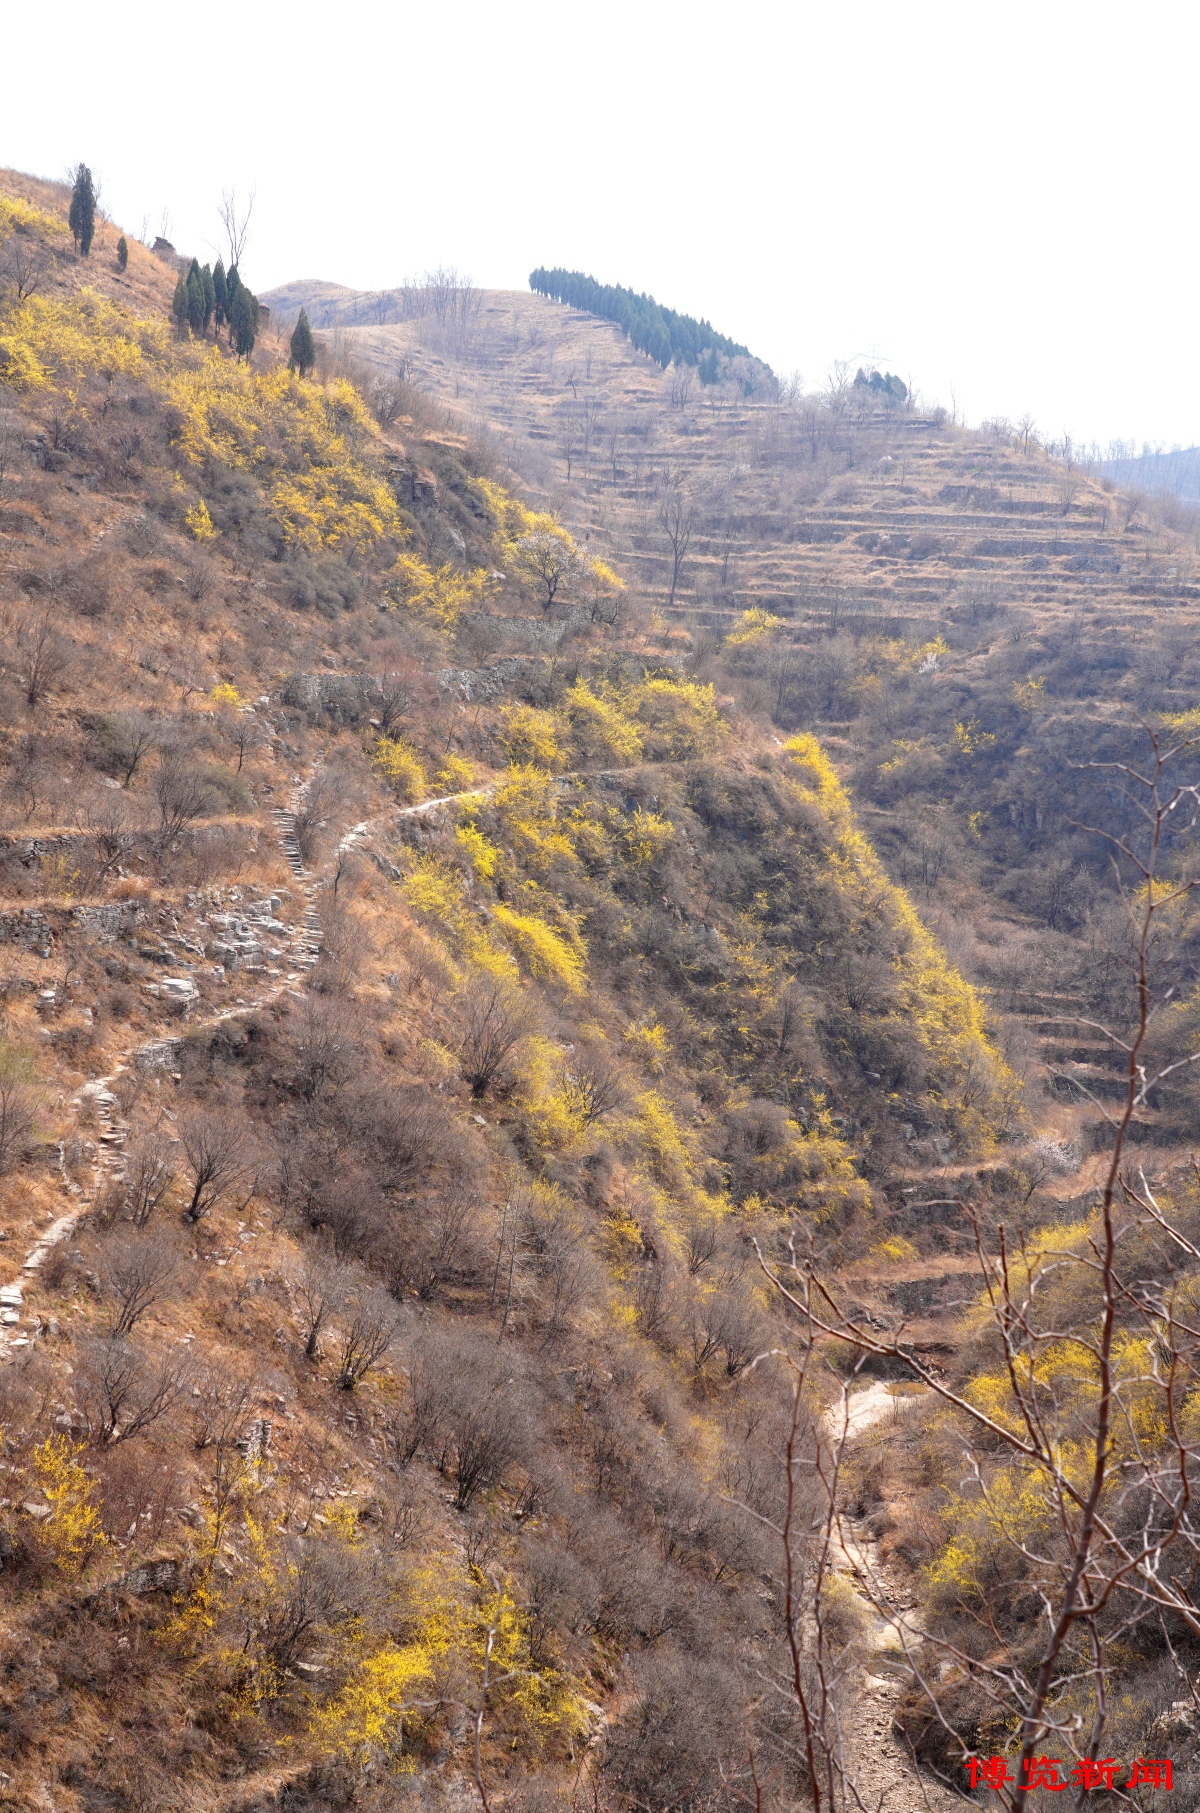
x,y
82,217
302,349
236,223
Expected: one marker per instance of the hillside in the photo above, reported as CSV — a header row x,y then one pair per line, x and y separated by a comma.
x,y
982,637
961,615
425,996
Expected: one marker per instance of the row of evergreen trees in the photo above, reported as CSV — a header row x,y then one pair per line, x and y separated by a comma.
x,y
886,382
205,296
662,332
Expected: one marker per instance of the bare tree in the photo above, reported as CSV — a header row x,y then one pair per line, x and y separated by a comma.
x,y
235,220
613,440
44,656
391,696
370,1321
182,791
243,733
223,1420
311,811
493,1020
122,1390
594,1085
19,1101
151,1163
571,439
318,1292
677,518
24,267
137,1270
106,823
219,1157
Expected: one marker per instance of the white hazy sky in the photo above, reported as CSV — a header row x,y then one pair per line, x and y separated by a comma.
x,y
996,201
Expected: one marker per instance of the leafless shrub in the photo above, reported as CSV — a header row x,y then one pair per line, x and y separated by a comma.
x,y
106,822
140,1487
370,1319
493,1021
19,1100
122,1390
318,1292
151,1166
24,267
312,812
243,734
325,1045
137,1271
556,1257
320,1586
182,792
219,1156
593,1085
44,656
466,1410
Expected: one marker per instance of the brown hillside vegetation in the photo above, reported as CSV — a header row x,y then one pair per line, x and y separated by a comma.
x,y
381,1179
452,1010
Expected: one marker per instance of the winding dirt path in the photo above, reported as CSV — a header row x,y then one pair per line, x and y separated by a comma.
x,y
882,1770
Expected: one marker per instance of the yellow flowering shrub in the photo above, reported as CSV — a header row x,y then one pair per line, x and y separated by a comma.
x,y
541,950
72,1533
17,215
442,593
529,736
753,627
200,523
599,729
396,761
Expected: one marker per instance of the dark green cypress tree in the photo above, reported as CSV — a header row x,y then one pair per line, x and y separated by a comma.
x,y
195,299
210,295
220,295
232,285
82,217
122,253
179,304
245,321
303,349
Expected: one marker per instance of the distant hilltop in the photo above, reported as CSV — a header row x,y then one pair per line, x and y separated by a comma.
x,y
666,335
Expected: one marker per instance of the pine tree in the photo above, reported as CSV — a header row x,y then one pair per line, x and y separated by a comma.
x,y
122,253
245,321
82,218
179,304
220,295
195,299
303,349
210,296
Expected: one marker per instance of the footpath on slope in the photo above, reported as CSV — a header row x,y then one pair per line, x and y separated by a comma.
x,y
97,1096
881,1770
